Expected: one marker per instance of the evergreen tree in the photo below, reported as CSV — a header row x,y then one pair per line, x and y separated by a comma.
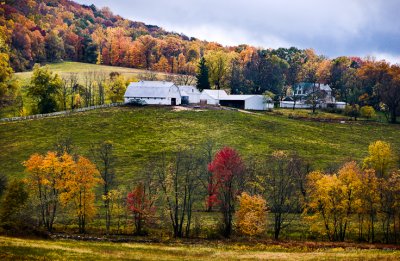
x,y
202,76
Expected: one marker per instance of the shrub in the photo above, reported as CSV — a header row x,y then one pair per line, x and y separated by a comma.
x,y
352,111
367,112
333,110
12,203
251,217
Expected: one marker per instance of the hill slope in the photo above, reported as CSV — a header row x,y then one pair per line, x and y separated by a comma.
x,y
140,133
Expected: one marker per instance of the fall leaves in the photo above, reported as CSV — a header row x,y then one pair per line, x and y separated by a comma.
x,y
251,218
227,169
357,200
61,179
370,192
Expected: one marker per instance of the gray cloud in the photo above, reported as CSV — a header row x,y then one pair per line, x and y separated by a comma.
x,y
331,27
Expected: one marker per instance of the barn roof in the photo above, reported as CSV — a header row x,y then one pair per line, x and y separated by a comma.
x,y
188,89
240,97
153,89
325,87
216,94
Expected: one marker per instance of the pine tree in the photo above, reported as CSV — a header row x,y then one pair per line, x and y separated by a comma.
x,y
202,75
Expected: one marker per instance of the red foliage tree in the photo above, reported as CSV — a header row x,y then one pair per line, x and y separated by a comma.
x,y
227,180
141,207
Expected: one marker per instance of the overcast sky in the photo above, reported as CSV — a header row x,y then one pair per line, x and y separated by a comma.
x,y
331,27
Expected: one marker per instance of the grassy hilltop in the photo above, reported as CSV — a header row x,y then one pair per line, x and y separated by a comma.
x,y
140,133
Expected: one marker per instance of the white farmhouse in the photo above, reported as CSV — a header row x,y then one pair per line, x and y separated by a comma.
x,y
153,93
247,102
212,97
303,91
190,94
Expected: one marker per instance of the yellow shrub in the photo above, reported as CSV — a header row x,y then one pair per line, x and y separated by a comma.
x,y
251,216
367,112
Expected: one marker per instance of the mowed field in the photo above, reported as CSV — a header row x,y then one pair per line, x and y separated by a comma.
x,y
33,249
142,133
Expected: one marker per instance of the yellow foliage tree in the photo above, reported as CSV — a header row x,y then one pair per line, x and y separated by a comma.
x,y
116,88
79,185
219,67
369,204
334,199
115,201
251,216
381,158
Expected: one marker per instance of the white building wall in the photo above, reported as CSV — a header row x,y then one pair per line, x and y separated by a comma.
x,y
210,100
257,103
340,105
194,98
173,93
152,101
289,104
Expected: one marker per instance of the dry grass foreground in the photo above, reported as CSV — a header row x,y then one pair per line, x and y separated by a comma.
x,y
33,249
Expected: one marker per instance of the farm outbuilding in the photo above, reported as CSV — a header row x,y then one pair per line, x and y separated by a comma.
x,y
190,94
212,97
153,93
247,102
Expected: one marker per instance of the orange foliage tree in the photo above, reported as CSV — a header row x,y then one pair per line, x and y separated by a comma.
x,y
59,179
45,177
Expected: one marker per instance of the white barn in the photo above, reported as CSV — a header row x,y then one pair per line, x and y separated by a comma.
x,y
212,97
190,94
247,102
153,93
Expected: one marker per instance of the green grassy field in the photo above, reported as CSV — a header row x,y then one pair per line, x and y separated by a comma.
x,y
30,249
140,133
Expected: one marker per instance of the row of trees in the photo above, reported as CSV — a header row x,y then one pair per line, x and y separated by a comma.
x,y
361,200
361,82
52,92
